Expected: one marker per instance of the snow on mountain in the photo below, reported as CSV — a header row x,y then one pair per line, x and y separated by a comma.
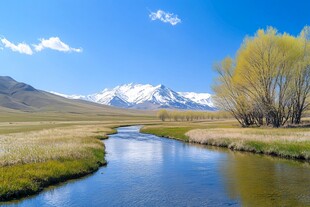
x,y
146,96
201,98
70,96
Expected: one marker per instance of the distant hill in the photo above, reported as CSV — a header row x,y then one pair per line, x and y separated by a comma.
x,y
17,96
148,97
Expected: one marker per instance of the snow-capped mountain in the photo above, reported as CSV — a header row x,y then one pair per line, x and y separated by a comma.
x,y
70,96
139,96
201,98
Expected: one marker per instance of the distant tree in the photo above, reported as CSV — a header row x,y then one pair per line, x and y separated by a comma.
x,y
191,115
162,114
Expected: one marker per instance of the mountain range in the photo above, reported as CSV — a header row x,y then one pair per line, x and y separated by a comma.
x,y
148,97
20,97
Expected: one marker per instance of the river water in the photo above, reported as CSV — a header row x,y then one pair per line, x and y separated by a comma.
x,y
146,170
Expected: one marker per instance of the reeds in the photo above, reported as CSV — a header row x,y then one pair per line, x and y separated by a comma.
x,y
30,161
51,144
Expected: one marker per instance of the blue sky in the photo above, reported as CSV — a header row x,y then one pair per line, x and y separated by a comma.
x,y
112,42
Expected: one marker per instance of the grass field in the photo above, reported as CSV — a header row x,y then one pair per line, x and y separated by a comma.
x,y
283,142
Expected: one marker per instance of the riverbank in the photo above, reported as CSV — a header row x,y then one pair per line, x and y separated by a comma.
x,y
291,143
39,154
33,160
23,180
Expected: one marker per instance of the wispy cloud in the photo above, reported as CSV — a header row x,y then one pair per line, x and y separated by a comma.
x,y
165,17
55,43
20,47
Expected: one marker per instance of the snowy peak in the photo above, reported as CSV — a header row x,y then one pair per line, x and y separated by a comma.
x,y
201,98
70,96
146,96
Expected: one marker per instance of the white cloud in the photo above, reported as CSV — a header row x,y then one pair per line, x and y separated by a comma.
x,y
165,17
55,43
20,47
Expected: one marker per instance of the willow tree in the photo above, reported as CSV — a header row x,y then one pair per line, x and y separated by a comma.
x,y
162,114
228,96
264,72
269,80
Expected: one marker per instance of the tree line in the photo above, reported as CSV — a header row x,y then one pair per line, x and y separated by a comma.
x,y
166,115
268,83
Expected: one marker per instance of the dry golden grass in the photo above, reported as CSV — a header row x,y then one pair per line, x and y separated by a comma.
x,y
49,144
298,135
31,160
42,141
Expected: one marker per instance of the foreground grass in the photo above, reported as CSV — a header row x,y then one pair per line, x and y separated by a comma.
x,y
64,143
284,142
22,180
34,155
32,160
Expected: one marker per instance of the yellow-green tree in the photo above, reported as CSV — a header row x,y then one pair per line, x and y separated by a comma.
x,y
228,96
162,114
265,71
269,80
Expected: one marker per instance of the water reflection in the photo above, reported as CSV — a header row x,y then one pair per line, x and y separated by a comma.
x,y
266,181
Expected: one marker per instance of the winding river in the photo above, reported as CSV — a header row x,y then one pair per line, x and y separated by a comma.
x,y
145,170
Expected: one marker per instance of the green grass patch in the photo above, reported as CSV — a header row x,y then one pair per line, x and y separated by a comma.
x,y
169,132
296,150
23,180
